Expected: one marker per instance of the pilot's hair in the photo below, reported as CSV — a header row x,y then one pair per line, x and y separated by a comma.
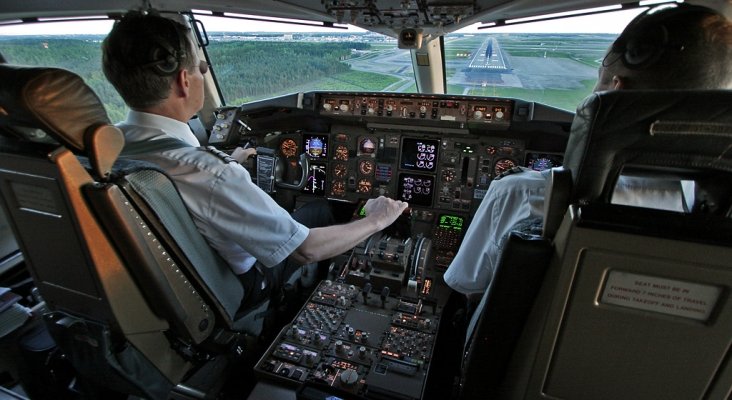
x,y
142,55
696,52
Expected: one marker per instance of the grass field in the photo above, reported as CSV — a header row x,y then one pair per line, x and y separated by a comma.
x,y
564,99
584,50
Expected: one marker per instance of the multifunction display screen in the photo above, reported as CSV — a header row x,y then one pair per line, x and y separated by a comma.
x,y
316,180
416,189
419,154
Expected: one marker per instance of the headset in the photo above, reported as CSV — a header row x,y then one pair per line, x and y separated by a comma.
x,y
646,38
165,60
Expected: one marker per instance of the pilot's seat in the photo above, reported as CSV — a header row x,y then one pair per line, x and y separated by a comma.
x,y
139,301
635,303
622,301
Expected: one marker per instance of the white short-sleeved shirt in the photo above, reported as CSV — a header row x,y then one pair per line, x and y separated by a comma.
x,y
239,220
518,197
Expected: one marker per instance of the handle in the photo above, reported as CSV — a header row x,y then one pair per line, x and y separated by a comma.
x,y
304,163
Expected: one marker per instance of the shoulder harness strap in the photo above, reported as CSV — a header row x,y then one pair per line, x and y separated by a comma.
x,y
168,143
512,171
220,154
152,146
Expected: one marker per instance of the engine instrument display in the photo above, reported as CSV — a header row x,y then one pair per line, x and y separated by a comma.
x,y
419,154
316,146
416,189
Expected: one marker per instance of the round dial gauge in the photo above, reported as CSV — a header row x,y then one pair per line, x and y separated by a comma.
x,y
367,146
364,186
448,175
506,151
366,167
338,188
340,170
502,165
288,147
341,153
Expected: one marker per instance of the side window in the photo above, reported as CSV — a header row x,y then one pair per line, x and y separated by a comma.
x,y
73,45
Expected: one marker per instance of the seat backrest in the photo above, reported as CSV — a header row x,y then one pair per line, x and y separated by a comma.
x,y
634,301
498,319
96,241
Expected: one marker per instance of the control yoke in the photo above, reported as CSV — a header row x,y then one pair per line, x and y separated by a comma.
x,y
304,167
270,170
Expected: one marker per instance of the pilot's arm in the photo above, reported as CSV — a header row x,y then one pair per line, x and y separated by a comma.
x,y
326,242
507,202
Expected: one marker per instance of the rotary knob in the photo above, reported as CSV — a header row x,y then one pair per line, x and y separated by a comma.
x,y
344,107
499,114
478,114
349,377
327,106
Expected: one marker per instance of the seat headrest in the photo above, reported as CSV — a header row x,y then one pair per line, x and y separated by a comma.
x,y
59,103
673,132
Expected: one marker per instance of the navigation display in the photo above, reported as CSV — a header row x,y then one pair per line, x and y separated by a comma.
x,y
316,180
316,146
419,154
416,189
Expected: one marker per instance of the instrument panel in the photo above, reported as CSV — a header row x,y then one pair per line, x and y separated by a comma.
x,y
440,153
423,168
419,107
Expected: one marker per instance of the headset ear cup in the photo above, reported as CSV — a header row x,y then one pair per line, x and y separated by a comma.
x,y
645,47
165,62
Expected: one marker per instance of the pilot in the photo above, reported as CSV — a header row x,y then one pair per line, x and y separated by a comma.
x,y
156,69
676,46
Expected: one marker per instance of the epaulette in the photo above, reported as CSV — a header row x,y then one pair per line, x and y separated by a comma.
x,y
220,154
511,171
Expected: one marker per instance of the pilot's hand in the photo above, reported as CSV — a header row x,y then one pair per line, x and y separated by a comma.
x,y
242,155
384,210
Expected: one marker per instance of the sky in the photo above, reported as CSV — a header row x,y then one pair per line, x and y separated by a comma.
x,y
600,23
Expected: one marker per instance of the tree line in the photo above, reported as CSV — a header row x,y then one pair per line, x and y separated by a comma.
x,y
244,69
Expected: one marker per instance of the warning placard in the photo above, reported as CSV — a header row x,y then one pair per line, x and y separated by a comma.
x,y
667,296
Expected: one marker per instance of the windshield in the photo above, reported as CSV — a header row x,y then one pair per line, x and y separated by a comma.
x,y
552,62
556,69
253,60
258,60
